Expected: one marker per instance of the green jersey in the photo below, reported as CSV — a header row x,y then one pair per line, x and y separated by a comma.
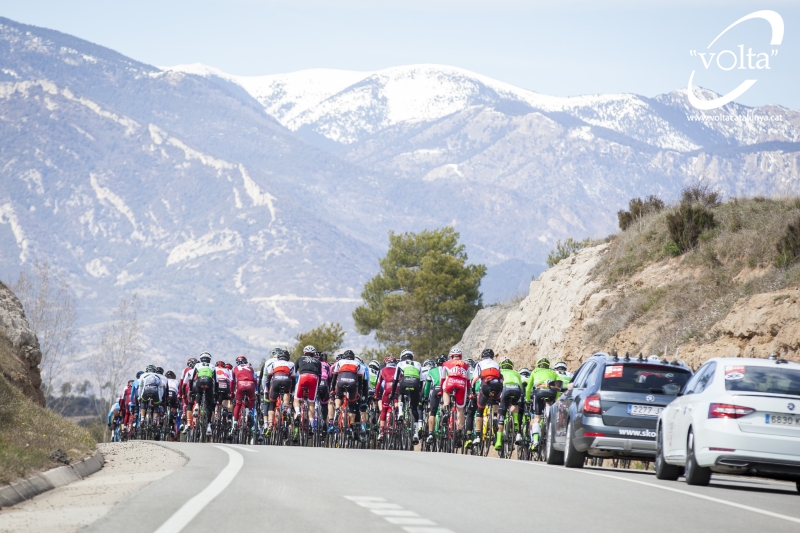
x,y
433,380
564,378
204,370
511,377
373,379
539,376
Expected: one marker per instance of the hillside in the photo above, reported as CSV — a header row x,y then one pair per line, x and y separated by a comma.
x,y
730,295
242,211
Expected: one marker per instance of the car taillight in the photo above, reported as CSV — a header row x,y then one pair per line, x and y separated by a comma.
x,y
591,405
726,410
591,434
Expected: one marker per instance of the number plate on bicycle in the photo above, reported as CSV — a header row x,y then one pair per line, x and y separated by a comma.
x,y
644,410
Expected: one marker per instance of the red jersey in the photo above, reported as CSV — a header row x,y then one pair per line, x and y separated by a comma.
x,y
385,380
243,373
455,368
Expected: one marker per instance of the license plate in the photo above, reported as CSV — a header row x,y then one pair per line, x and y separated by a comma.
x,y
644,410
782,420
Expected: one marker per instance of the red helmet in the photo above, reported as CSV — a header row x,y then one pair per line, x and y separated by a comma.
x,y
228,366
220,364
390,361
241,360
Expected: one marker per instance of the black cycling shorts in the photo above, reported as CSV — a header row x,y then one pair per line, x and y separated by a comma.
x,y
491,391
280,384
434,399
511,395
540,395
151,393
347,383
323,392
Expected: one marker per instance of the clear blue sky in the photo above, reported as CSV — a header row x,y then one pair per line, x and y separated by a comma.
x,y
560,48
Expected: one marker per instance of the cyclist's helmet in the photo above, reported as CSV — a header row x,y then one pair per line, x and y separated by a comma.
x,y
275,353
229,366
284,355
241,360
507,364
471,362
375,366
190,362
322,356
309,350
170,374
159,370
339,356
525,372
441,360
390,361
130,382
428,363
348,354
543,362
139,374
150,369
455,353
560,366
220,364
205,357
488,353
406,355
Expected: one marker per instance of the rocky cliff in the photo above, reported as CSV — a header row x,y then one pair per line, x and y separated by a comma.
x,y
724,298
19,348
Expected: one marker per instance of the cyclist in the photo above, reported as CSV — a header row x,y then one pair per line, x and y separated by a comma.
x,y
407,381
487,373
186,392
265,403
134,405
309,370
541,382
151,389
363,393
244,387
513,393
174,397
472,406
224,385
348,378
281,375
423,375
374,371
561,368
383,390
455,383
432,389
204,380
324,388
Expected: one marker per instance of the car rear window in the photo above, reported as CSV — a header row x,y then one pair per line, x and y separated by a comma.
x,y
765,379
644,378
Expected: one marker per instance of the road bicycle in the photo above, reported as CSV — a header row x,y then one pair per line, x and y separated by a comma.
x,y
405,428
524,447
343,431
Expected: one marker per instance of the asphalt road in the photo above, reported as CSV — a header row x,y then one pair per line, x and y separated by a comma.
x,y
265,488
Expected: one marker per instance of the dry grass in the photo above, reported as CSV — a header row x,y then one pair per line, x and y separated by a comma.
x,y
29,433
744,241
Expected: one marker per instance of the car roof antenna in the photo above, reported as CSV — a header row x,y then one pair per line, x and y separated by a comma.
x,y
772,356
616,358
641,357
627,357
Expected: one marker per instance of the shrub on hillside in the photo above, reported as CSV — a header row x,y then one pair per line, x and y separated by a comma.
x,y
687,223
701,194
637,208
789,245
564,250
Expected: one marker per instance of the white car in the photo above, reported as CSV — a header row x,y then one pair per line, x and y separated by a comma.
x,y
734,416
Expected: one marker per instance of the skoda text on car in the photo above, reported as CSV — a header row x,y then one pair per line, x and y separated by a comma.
x,y
612,408
735,416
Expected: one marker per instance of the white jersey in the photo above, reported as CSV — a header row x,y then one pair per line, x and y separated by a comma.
x,y
173,385
149,380
280,367
486,369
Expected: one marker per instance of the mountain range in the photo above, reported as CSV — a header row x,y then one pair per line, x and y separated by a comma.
x,y
243,210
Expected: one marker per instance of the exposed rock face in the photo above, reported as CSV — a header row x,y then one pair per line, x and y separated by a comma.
x,y
541,324
555,317
19,348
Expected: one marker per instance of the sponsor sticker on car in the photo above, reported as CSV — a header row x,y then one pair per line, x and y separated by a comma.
x,y
734,372
613,371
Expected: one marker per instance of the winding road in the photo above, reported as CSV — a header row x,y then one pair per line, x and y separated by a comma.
x,y
286,489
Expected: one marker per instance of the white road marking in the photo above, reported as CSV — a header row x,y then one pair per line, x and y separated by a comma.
x,y
686,492
241,447
189,510
395,514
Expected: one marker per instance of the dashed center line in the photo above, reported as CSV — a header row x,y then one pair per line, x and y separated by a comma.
x,y
395,514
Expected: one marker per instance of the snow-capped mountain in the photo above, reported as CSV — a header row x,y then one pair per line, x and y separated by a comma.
x,y
243,210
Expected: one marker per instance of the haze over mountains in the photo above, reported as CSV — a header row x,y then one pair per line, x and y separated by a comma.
x,y
243,210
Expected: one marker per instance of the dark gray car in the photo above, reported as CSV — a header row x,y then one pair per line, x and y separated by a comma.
x,y
612,408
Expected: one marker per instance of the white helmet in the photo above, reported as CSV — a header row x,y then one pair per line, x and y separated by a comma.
x,y
456,352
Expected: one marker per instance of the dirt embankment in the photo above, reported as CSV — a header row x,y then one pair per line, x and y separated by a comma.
x,y
723,298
